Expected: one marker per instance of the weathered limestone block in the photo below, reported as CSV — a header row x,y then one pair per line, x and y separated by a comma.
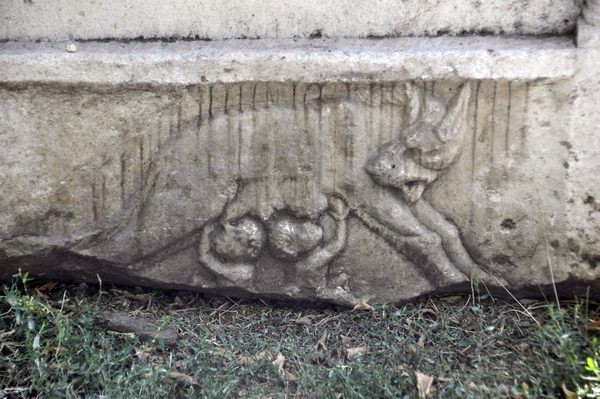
x,y
334,170
206,19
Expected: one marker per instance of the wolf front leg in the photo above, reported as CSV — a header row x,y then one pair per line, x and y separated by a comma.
x,y
452,242
393,220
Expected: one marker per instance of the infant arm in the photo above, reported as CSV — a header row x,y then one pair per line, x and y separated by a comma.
x,y
322,255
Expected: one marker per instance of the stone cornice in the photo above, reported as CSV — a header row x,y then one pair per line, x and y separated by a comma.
x,y
184,63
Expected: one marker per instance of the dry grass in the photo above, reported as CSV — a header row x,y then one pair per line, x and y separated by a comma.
x,y
50,346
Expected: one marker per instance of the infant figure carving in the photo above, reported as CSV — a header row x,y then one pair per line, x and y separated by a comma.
x,y
298,243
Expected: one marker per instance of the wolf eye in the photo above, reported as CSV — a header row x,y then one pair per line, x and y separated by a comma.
x,y
393,166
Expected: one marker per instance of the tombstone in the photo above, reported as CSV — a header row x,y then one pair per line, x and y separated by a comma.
x,y
324,151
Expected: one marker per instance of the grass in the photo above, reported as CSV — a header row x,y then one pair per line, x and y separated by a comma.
x,y
50,346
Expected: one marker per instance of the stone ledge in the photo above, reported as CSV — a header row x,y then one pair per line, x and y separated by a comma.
x,y
317,60
83,20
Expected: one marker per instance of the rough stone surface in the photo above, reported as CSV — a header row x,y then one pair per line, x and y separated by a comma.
x,y
207,19
339,170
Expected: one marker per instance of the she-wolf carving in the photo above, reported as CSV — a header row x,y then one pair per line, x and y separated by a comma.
x,y
288,158
404,168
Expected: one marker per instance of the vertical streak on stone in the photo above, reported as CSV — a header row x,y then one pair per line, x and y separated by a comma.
x,y
240,131
200,101
256,145
103,194
171,121
401,109
334,158
210,101
294,189
525,115
230,155
350,137
209,132
391,111
309,151
370,119
159,132
179,116
433,88
94,203
141,155
509,106
405,111
493,134
294,95
319,142
381,118
122,181
475,117
267,92
348,91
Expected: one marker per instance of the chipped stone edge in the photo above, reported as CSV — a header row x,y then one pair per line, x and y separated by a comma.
x,y
229,61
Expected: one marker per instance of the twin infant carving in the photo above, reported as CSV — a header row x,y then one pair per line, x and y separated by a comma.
x,y
401,169
299,242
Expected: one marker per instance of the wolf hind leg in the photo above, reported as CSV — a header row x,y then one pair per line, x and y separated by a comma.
x,y
452,242
422,246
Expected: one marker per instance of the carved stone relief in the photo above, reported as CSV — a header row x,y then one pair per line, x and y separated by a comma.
x,y
293,190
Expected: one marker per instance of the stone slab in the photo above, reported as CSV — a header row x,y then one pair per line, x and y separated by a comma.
x,y
302,183
323,60
206,19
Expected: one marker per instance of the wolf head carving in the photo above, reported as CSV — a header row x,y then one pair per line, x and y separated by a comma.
x,y
430,144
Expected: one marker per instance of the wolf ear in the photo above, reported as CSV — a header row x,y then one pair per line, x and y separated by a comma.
x,y
456,114
415,101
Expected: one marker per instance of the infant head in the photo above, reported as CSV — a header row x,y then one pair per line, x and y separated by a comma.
x,y
242,239
290,237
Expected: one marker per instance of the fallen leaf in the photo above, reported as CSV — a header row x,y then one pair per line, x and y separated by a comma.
x,y
245,360
290,377
219,352
429,312
594,327
42,290
424,383
362,306
322,342
421,341
120,334
136,297
185,379
453,299
264,355
279,362
352,353
345,340
306,320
